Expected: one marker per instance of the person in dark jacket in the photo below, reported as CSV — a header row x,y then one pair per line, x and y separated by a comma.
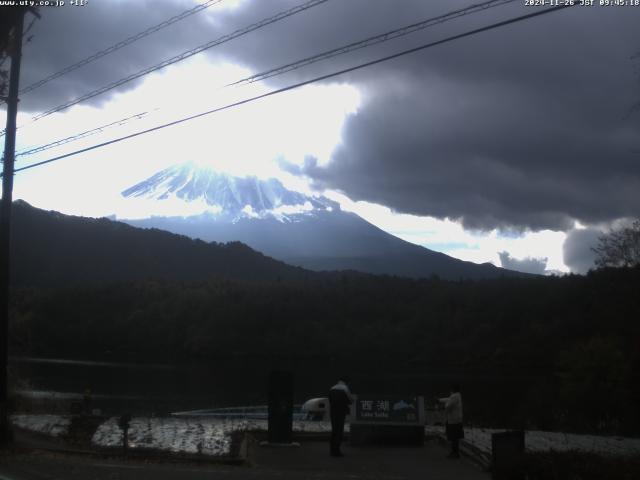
x,y
339,401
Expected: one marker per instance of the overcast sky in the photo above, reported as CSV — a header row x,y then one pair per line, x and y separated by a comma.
x,y
515,146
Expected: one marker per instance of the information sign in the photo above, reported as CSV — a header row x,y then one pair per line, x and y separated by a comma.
x,y
388,409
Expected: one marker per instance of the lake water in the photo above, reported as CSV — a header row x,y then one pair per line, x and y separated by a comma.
x,y
163,388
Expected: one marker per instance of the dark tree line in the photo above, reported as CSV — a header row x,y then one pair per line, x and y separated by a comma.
x,y
576,336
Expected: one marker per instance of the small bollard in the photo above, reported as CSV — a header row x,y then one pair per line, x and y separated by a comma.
x,y
507,455
75,408
86,401
123,423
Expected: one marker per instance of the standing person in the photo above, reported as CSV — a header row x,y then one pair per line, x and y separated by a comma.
x,y
339,401
453,409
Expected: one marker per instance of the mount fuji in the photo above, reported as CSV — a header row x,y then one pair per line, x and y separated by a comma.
x,y
301,230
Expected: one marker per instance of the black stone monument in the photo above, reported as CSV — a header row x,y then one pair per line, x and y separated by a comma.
x,y
280,407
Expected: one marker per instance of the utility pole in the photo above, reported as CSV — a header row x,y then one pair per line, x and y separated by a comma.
x,y
5,223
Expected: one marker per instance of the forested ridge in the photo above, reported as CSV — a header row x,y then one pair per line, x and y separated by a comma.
x,y
52,249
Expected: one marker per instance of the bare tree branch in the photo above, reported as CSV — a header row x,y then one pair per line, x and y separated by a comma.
x,y
619,248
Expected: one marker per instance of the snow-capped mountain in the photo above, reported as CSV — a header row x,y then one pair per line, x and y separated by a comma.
x,y
302,230
230,197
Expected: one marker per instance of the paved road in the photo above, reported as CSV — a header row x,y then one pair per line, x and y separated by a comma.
x,y
309,461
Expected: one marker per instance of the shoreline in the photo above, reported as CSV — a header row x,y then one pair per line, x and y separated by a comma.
x,y
215,438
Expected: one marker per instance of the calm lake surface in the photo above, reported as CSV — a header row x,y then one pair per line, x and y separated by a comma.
x,y
162,388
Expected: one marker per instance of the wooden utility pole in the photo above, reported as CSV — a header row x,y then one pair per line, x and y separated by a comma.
x,y
5,222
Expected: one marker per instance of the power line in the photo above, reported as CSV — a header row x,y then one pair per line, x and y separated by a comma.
x,y
28,29
183,56
301,84
119,45
344,49
383,37
80,135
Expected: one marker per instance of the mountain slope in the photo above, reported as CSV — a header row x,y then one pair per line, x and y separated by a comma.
x,y
311,232
52,249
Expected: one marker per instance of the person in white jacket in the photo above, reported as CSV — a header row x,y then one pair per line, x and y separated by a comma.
x,y
453,409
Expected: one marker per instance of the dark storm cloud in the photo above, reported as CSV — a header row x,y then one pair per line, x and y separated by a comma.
x,y
486,157
577,249
66,35
499,135
526,265
527,126
69,34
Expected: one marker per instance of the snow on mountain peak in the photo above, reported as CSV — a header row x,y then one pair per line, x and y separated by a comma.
x,y
228,195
